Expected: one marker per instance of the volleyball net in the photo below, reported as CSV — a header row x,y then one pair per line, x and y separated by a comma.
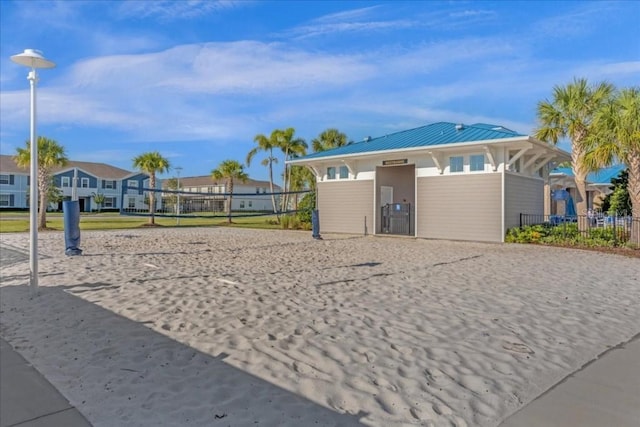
x,y
191,204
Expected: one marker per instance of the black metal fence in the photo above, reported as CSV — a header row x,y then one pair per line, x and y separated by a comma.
x,y
613,229
396,218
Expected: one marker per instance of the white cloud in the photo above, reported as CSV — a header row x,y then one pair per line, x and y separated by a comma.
x,y
170,10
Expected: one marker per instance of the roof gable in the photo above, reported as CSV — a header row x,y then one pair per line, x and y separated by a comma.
x,y
99,170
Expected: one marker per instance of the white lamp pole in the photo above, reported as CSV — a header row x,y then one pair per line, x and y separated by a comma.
x,y
33,59
178,169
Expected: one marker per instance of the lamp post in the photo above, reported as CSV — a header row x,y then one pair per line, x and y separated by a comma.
x,y
178,169
33,59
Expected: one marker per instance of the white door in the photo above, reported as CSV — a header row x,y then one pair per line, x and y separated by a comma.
x,y
386,195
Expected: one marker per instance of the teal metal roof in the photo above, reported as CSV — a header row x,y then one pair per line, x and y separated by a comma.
x,y
435,134
603,176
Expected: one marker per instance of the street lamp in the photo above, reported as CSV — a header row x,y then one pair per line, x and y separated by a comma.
x,y
33,59
178,169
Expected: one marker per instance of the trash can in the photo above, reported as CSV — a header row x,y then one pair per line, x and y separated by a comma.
x,y
71,219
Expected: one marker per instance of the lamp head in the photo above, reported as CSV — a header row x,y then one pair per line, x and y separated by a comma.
x,y
32,58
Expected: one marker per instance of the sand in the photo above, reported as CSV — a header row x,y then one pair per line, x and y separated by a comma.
x,y
232,327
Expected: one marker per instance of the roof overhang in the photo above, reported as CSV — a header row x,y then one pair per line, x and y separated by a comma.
x,y
536,147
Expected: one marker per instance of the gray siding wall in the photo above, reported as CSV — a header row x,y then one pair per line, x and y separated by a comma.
x,y
460,207
343,206
522,195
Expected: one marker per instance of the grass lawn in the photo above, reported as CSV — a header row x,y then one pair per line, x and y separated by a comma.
x,y
15,222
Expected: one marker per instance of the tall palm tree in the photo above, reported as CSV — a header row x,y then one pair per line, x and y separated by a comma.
x,y
617,138
151,163
267,145
50,155
229,170
290,146
328,139
570,114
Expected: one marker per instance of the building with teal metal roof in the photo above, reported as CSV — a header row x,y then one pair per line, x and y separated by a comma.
x,y
598,184
441,181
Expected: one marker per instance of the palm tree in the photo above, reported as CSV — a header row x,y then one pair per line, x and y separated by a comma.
x,y
617,138
267,144
229,170
328,139
570,114
50,155
151,163
290,146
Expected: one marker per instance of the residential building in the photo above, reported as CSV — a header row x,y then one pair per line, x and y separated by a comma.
x,y
120,187
206,195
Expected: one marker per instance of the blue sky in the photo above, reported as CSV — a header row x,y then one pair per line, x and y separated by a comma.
x,y
198,80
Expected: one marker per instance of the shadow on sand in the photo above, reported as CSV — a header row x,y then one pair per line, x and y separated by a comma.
x,y
120,372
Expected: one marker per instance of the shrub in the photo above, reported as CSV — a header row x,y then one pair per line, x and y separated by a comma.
x,y
305,207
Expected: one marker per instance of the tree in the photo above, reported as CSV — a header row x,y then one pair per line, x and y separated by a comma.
x,y
328,139
229,170
267,145
617,139
290,146
99,199
151,163
570,114
50,155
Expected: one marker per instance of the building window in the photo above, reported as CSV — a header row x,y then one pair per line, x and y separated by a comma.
x,y
250,204
476,162
65,182
331,173
242,204
456,164
4,179
109,202
132,202
5,200
264,191
108,184
344,172
84,182
257,190
132,183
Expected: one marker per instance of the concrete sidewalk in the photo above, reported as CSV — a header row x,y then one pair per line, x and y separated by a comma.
x,y
606,392
27,399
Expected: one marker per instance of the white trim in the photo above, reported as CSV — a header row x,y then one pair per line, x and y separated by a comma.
x,y
441,147
543,163
351,167
532,160
491,156
519,154
437,160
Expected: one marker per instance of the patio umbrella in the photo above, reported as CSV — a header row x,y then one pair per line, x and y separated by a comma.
x,y
571,207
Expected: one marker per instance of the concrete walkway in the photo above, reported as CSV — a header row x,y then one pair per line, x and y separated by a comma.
x,y
27,399
606,392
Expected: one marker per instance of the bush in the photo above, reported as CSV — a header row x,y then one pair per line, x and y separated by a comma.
x,y
567,234
305,207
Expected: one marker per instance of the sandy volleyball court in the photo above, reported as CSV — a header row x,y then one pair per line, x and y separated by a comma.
x,y
231,327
